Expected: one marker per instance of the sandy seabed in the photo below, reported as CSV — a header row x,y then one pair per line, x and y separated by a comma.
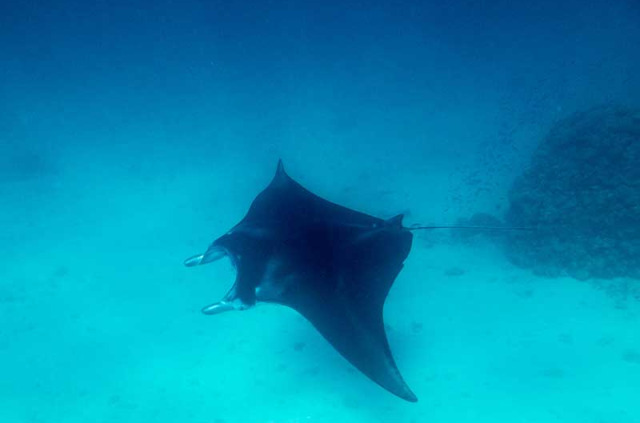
x,y
101,322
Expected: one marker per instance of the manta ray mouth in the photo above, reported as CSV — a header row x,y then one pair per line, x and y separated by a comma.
x,y
231,301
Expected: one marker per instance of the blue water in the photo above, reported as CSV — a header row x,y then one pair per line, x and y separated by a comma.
x,y
134,132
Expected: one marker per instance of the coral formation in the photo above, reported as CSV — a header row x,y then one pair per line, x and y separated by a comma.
x,y
581,195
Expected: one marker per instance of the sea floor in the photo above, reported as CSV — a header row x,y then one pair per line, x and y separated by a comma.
x,y
102,323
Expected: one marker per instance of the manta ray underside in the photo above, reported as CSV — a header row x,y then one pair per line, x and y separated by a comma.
x,y
332,264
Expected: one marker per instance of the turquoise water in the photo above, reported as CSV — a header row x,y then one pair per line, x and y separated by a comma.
x,y
134,133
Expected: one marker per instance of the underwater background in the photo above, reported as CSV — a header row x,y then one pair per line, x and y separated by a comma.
x,y
133,133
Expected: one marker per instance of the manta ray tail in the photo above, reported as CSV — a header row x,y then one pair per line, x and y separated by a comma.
x,y
504,228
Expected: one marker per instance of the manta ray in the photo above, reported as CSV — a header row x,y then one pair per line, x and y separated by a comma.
x,y
331,264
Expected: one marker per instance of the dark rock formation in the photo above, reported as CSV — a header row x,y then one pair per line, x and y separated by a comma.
x,y
581,195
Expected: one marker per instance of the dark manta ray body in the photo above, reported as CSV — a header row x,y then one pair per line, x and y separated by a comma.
x,y
333,265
